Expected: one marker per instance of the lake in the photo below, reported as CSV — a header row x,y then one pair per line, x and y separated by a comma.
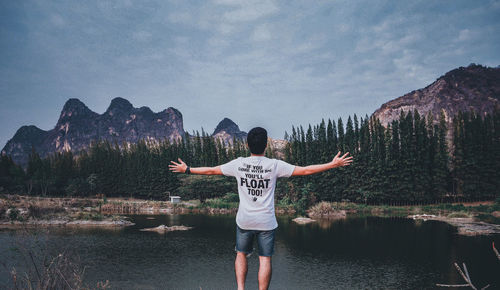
x,y
354,253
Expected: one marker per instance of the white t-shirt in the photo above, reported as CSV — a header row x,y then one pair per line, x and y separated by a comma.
x,y
256,177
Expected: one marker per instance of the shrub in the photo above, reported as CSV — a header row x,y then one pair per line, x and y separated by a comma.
x,y
483,208
322,208
14,214
96,217
232,197
325,209
89,216
301,205
285,201
37,211
219,203
459,215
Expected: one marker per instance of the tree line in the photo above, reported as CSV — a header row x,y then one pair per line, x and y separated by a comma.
x,y
108,168
408,161
411,160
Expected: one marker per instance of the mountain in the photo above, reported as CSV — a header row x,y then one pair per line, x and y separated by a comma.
x,y
474,88
78,126
226,130
277,146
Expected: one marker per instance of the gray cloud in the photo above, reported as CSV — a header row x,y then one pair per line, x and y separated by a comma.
x,y
266,63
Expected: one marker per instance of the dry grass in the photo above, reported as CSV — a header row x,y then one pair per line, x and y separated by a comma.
x,y
44,268
325,209
460,214
48,208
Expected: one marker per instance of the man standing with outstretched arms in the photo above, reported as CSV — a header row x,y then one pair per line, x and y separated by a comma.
x,y
256,176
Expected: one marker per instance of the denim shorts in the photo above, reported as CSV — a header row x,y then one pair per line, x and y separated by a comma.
x,y
265,241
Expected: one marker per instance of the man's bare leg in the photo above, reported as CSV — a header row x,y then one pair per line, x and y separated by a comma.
x,y
240,269
265,271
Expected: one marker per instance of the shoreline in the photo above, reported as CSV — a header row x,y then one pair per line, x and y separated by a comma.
x,y
66,223
17,211
464,226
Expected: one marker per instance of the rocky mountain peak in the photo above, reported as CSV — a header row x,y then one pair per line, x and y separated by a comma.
x,y
465,73
227,125
227,130
74,109
29,131
171,110
78,126
120,104
75,106
474,87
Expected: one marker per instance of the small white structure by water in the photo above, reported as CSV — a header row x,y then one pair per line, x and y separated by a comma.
x,y
175,199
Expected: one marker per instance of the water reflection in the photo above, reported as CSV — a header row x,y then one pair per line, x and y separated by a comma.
x,y
356,252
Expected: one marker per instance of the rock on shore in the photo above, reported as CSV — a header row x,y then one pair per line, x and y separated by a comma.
x,y
303,220
465,226
163,229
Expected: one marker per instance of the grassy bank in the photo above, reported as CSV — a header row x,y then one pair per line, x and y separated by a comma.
x,y
486,211
19,208
15,209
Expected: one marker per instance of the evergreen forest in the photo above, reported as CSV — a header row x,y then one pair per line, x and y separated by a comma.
x,y
414,160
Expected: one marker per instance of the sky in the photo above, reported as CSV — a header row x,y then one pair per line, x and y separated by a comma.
x,y
260,63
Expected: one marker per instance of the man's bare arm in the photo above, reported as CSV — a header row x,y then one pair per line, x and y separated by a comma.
x,y
181,167
317,168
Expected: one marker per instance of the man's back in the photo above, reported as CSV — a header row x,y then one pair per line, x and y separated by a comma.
x,y
256,177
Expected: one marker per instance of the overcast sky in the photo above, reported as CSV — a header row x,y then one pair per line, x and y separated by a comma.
x,y
269,63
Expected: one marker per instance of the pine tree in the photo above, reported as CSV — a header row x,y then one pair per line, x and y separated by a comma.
x,y
340,143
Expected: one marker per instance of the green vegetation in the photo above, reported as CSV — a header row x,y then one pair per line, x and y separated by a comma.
x,y
25,208
406,163
483,212
203,187
459,215
228,201
94,216
14,214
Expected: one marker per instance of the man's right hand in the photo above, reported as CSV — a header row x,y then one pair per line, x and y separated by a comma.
x,y
178,167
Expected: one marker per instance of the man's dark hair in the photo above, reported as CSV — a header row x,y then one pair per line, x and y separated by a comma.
x,y
257,140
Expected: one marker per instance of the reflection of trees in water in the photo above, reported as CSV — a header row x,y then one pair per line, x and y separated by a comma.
x,y
327,223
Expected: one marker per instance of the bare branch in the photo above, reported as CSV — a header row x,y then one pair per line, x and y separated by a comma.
x,y
468,277
463,276
495,250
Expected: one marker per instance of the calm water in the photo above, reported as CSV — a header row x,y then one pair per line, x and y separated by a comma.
x,y
355,253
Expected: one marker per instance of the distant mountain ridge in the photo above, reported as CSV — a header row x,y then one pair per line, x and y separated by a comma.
x,y
78,126
475,88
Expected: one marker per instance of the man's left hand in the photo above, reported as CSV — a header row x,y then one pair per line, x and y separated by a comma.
x,y
178,167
